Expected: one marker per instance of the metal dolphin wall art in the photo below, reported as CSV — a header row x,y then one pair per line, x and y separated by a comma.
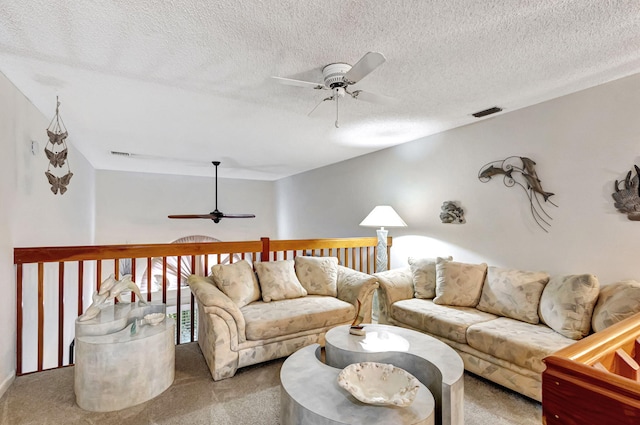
x,y
521,171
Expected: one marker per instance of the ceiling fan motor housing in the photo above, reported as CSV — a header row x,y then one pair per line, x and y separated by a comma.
x,y
333,74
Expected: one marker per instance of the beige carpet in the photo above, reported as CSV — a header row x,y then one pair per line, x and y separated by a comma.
x,y
252,397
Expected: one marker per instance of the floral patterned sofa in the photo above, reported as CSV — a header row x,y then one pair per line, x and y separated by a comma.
x,y
502,322
247,317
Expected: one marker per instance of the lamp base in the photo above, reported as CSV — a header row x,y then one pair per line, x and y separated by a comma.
x,y
381,251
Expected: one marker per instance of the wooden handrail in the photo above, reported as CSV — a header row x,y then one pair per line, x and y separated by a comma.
x,y
583,384
110,252
90,265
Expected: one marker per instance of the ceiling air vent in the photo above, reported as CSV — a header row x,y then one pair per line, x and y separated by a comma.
x,y
486,112
116,153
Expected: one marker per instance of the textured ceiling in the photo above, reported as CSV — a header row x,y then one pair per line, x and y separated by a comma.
x,y
190,80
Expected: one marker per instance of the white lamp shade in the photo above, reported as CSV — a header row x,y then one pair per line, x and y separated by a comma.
x,y
383,216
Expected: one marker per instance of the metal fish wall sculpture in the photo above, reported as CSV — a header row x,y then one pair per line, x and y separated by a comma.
x,y
627,200
521,171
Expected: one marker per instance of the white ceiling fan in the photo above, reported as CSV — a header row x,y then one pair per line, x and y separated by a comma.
x,y
337,77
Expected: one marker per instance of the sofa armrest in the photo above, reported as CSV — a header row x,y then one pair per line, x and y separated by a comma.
x,y
395,285
214,301
353,286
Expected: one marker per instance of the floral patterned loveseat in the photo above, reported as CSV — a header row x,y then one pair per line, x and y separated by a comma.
x,y
247,317
502,322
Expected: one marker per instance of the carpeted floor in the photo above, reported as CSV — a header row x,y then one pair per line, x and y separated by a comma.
x,y
252,397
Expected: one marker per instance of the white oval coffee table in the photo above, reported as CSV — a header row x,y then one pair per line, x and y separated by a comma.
x,y
433,362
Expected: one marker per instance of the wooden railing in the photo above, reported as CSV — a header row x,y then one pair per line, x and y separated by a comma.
x,y
54,284
596,380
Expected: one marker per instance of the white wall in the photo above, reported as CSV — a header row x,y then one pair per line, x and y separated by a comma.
x,y
133,208
30,215
581,143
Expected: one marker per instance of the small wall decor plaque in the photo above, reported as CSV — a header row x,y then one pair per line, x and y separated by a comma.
x,y
627,199
56,151
520,170
451,213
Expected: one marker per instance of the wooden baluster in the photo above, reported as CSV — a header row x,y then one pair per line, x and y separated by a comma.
x,y
353,258
148,279
19,314
133,278
80,288
98,274
60,313
116,267
40,315
178,293
264,255
368,260
192,300
625,365
164,280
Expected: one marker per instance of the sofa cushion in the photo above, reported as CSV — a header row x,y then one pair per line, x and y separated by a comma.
x,y
567,303
237,281
318,275
513,293
458,284
423,273
447,322
285,317
278,280
517,342
616,302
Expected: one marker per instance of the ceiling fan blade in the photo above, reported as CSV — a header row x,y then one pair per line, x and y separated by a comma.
x,y
238,216
299,83
364,66
207,216
373,97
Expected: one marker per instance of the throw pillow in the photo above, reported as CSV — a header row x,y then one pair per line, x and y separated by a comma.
x,y
567,303
458,284
513,293
278,280
615,303
237,281
423,273
318,275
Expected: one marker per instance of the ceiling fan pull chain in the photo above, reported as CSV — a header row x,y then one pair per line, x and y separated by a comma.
x,y
337,101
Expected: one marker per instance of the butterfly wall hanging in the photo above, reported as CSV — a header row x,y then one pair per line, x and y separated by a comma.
x,y
57,154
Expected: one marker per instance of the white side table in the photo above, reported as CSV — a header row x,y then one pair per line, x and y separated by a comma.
x,y
116,368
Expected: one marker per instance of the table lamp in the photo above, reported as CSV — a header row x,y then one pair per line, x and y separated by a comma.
x,y
382,216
